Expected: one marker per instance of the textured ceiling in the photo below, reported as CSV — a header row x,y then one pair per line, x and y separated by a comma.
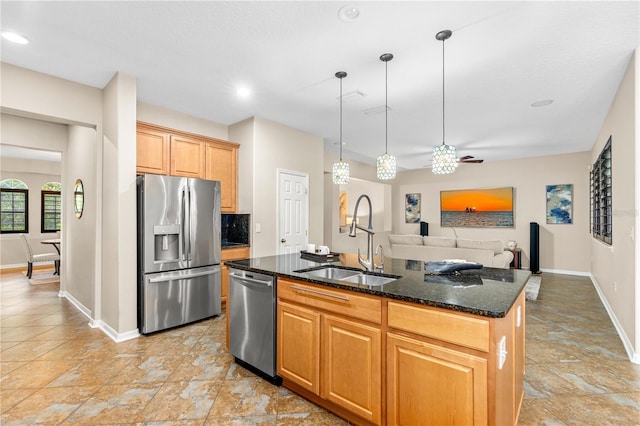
x,y
503,56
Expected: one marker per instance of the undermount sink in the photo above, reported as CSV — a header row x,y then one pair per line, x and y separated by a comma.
x,y
349,275
330,272
371,280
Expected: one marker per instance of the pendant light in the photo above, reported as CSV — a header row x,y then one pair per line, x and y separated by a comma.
x,y
444,156
386,163
341,168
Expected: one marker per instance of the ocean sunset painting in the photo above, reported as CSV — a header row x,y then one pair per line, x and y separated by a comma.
x,y
477,207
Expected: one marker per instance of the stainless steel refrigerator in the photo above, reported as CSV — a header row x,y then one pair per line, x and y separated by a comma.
x,y
178,251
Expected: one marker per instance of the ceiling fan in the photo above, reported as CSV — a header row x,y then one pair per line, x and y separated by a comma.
x,y
469,159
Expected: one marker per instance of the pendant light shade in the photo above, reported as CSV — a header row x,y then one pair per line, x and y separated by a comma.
x,y
386,163
445,160
340,172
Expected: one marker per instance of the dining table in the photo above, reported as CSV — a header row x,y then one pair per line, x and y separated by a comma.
x,y
55,242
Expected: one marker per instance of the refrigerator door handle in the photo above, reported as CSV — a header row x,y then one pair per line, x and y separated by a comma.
x,y
188,222
184,230
179,276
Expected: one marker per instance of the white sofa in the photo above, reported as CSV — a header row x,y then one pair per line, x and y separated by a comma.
x,y
488,253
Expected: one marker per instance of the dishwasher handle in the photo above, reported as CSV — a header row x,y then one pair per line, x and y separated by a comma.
x,y
268,283
174,276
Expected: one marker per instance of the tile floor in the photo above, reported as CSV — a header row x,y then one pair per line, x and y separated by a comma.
x,y
57,370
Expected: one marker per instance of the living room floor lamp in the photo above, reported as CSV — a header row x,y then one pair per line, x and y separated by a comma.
x,y
444,156
340,169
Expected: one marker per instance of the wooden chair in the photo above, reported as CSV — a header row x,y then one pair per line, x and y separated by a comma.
x,y
37,258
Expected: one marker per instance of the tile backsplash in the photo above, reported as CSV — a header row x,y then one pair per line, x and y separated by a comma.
x,y
235,229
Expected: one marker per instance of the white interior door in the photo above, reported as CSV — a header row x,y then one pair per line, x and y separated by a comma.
x,y
293,211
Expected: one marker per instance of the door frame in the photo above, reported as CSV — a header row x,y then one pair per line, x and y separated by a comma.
x,y
279,173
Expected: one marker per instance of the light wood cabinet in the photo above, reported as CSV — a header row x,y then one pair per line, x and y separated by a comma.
x,y
299,346
325,347
222,165
351,366
234,253
152,151
381,361
187,157
167,151
433,385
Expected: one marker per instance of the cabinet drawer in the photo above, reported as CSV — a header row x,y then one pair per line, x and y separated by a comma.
x,y
453,328
330,299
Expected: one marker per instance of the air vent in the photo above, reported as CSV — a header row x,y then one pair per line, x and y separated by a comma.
x,y
376,110
352,96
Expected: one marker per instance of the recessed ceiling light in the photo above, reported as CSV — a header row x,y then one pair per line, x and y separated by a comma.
x,y
348,13
243,92
14,37
542,103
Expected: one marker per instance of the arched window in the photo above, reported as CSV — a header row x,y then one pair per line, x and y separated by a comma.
x,y
14,206
50,207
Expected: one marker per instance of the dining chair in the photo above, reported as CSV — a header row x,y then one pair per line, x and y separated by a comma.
x,y
37,258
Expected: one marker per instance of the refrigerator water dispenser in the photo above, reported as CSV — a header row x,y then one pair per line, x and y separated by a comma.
x,y
166,239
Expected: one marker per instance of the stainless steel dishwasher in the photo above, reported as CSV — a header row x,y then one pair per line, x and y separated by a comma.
x,y
252,321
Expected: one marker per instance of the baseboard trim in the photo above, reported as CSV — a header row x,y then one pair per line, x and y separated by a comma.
x,y
628,347
22,267
567,272
103,326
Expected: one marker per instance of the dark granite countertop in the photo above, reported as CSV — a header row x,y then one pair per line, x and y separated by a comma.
x,y
489,292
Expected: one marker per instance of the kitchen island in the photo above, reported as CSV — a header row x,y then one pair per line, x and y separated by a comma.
x,y
420,349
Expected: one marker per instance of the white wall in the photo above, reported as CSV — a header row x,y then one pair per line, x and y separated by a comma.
x,y
362,180
119,268
79,257
265,147
34,174
562,247
176,120
614,267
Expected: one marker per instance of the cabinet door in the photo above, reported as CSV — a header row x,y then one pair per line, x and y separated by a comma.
x,y
299,346
519,354
152,151
351,366
187,157
429,384
221,165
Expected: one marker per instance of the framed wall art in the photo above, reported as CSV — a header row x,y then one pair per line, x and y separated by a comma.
x,y
412,208
477,207
560,204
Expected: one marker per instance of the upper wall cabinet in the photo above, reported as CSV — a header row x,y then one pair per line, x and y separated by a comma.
x,y
222,164
171,152
187,157
152,150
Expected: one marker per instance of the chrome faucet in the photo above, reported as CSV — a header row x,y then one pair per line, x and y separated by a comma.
x,y
368,264
381,254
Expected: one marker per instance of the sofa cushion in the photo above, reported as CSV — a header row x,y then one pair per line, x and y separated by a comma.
x,y
495,245
406,239
439,241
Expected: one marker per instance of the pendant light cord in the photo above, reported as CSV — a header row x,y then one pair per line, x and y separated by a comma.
x,y
340,119
386,107
443,91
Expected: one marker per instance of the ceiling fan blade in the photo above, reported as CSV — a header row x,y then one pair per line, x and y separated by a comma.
x,y
468,159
